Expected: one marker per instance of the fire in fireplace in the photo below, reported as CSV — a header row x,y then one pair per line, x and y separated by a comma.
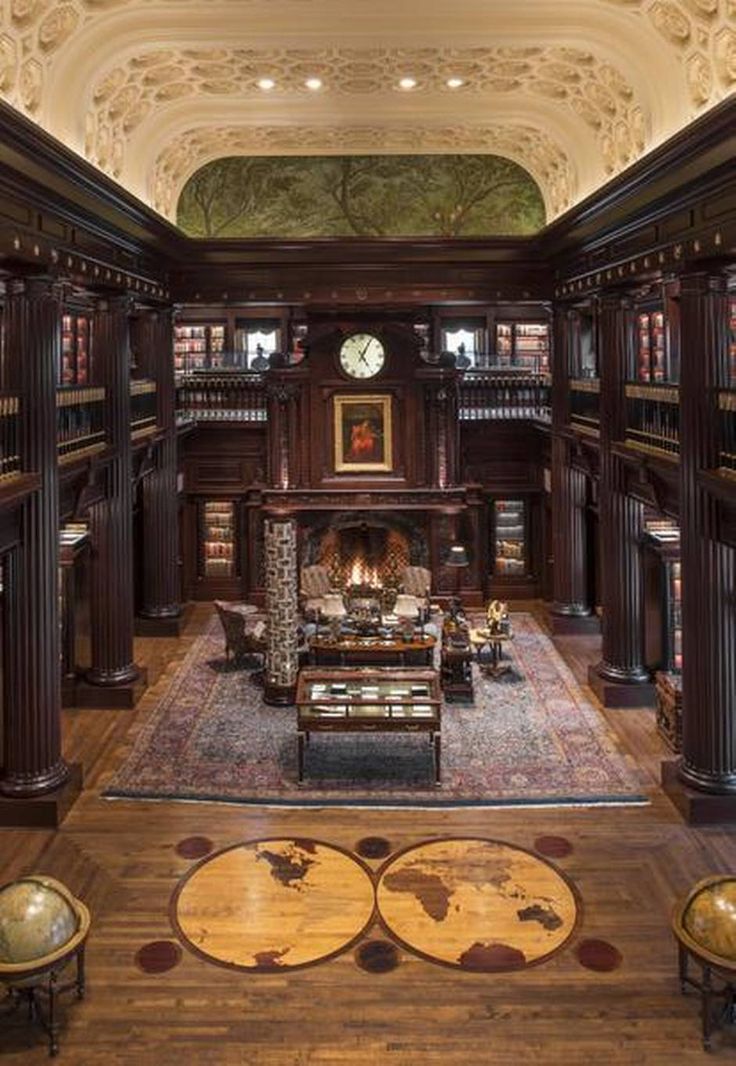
x,y
364,556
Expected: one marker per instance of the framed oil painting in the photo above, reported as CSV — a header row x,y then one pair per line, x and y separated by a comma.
x,y
362,435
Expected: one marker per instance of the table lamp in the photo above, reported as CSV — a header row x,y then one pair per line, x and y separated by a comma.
x,y
457,556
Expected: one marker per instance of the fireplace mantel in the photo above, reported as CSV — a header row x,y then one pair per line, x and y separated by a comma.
x,y
285,501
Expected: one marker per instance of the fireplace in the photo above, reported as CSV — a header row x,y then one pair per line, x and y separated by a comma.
x,y
366,551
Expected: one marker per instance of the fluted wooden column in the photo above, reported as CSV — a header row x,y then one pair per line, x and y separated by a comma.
x,y
161,579
32,759
111,520
569,536
708,566
621,678
570,610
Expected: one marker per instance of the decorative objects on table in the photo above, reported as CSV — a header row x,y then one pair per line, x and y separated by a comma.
x,y
42,928
704,924
496,633
363,434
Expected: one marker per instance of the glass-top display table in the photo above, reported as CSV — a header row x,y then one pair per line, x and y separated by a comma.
x,y
368,700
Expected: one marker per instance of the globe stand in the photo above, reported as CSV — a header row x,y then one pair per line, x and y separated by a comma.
x,y
41,999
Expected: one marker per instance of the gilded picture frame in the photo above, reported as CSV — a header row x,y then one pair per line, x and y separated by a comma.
x,y
363,441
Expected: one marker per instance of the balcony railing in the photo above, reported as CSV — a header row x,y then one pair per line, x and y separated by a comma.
x,y
80,421
485,395
653,418
143,407
585,404
727,418
9,458
229,397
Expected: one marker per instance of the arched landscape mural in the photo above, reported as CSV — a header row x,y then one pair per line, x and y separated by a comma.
x,y
361,196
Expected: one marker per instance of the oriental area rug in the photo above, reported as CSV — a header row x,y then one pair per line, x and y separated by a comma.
x,y
531,737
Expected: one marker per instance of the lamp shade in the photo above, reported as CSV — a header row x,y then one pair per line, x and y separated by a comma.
x,y
457,555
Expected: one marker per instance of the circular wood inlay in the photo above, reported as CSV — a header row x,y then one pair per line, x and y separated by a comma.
x,y
194,847
476,904
377,956
599,955
158,956
268,905
373,847
553,847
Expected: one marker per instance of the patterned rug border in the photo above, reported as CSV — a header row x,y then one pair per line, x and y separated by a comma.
x,y
634,800
251,797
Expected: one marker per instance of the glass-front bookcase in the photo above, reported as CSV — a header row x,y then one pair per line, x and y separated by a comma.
x,y
218,538
510,538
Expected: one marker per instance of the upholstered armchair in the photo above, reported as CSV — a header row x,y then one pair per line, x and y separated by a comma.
x,y
244,636
318,596
413,594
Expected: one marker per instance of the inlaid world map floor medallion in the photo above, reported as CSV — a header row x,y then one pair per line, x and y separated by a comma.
x,y
476,904
274,904
278,904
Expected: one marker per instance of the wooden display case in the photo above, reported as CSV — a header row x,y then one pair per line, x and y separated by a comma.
x,y
524,345
199,346
218,539
76,342
510,538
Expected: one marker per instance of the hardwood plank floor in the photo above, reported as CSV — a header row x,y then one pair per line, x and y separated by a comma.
x,y
629,864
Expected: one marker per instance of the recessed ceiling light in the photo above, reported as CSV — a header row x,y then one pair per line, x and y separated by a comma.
x,y
408,83
314,84
454,83
266,84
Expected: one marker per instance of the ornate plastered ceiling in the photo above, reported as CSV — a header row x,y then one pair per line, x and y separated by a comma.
x,y
574,90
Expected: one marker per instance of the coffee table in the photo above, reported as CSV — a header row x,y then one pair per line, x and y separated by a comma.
x,y
389,700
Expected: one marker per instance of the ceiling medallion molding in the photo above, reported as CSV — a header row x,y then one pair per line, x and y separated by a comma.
x,y
530,147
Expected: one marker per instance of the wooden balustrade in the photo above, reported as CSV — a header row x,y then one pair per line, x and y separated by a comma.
x,y
653,418
485,395
80,421
9,458
228,397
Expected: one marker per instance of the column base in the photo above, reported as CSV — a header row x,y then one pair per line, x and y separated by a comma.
x,y
42,812
697,808
563,623
279,695
163,626
621,693
113,697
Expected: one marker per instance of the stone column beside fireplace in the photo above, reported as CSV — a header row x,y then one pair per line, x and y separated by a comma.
x,y
282,655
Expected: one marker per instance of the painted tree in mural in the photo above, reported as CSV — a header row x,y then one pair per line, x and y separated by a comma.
x,y
360,196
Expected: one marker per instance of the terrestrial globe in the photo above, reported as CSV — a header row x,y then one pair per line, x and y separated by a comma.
x,y
41,923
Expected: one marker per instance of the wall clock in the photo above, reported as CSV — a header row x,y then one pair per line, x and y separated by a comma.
x,y
362,355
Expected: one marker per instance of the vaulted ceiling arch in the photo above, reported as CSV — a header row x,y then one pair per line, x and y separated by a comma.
x,y
587,86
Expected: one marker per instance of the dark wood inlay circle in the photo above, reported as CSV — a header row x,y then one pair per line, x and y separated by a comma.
x,y
373,847
598,955
377,956
553,847
194,847
158,956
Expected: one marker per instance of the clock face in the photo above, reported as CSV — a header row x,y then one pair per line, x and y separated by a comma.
x,y
362,355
